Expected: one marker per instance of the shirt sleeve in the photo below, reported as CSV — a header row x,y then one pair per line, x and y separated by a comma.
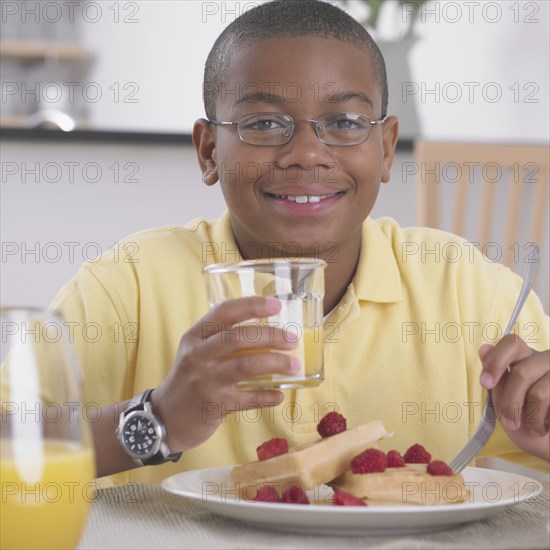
x,y
104,338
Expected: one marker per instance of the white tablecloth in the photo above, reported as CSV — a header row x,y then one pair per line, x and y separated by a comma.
x,y
145,516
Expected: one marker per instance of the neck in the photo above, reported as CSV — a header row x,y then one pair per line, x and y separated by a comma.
x,y
341,261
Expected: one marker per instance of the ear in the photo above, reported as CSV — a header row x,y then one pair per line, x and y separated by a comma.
x,y
391,132
204,140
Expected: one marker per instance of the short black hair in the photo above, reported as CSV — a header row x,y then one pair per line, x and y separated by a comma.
x,y
286,18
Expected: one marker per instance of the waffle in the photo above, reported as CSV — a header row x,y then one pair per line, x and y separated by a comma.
x,y
314,463
408,485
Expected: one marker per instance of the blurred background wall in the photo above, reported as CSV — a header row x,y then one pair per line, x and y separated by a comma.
x,y
478,72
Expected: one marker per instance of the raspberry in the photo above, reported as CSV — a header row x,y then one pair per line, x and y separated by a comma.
x,y
332,423
371,460
343,498
267,493
439,468
295,495
271,448
395,460
417,455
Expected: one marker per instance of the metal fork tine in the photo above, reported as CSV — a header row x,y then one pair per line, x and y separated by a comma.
x,y
457,464
459,459
464,461
456,467
460,467
465,457
475,445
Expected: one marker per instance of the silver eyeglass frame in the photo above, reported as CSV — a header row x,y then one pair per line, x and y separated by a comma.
x,y
292,125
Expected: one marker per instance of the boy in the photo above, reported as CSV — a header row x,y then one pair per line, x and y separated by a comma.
x,y
308,111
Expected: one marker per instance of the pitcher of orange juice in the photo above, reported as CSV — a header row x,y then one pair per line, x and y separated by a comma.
x,y
47,464
300,287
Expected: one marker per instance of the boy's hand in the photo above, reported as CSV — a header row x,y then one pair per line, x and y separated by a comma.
x,y
200,388
520,379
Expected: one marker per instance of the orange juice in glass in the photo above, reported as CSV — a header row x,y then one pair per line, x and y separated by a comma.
x,y
299,285
47,464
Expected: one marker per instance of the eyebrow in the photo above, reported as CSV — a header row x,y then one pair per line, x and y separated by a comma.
x,y
259,97
266,97
347,96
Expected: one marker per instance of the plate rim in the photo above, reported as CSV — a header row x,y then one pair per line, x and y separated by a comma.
x,y
410,509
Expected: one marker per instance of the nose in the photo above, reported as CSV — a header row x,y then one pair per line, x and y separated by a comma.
x,y
305,149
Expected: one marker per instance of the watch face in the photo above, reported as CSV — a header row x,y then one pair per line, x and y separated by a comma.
x,y
139,435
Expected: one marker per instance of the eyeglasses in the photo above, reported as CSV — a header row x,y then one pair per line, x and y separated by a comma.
x,y
270,129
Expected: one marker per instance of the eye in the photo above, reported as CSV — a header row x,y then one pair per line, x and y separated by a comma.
x,y
345,122
263,122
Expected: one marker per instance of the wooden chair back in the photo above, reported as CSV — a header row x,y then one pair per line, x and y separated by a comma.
x,y
494,195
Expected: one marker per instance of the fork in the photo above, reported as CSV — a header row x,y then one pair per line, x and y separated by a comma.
x,y
487,426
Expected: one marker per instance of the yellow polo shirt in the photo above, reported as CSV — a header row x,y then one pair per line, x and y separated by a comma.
x,y
401,346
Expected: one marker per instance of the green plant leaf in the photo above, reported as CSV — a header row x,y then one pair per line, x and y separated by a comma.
x,y
374,7
374,13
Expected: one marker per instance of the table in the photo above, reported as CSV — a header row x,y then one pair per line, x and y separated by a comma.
x,y
144,516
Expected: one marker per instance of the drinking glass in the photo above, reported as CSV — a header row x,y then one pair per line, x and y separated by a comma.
x,y
299,286
47,466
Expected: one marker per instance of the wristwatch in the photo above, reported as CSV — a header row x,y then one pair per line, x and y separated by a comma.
x,y
142,434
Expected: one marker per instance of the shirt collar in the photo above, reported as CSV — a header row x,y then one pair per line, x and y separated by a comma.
x,y
377,278
225,247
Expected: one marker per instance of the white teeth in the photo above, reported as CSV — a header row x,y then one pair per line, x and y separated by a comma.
x,y
302,199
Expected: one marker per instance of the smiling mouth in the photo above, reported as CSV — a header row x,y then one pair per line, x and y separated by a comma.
x,y
302,199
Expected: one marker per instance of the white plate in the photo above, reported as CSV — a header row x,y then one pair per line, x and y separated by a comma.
x,y
491,492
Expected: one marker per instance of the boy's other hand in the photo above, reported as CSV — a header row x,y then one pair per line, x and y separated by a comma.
x,y
200,388
520,380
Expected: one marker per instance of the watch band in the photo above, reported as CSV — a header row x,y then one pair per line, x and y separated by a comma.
x,y
137,402
138,399
141,402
